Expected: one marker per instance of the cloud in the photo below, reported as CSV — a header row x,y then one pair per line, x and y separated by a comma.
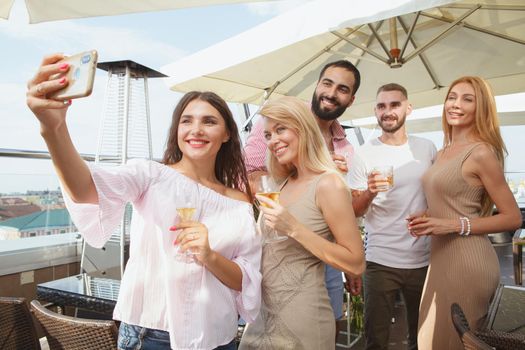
x,y
274,8
113,43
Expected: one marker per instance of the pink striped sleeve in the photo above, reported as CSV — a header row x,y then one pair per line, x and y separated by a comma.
x,y
115,187
248,258
255,149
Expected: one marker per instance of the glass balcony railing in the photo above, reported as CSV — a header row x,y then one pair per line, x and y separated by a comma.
x,y
35,227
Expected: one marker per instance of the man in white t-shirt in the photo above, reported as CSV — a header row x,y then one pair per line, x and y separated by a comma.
x,y
396,261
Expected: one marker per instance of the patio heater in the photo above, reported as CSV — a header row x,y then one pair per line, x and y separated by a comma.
x,y
125,133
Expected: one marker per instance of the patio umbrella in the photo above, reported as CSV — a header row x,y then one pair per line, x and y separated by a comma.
x,y
421,44
52,10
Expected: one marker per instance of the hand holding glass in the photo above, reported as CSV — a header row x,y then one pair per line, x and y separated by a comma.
x,y
269,189
341,161
387,172
186,214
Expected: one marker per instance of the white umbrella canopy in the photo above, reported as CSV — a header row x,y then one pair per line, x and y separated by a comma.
x,y
433,122
438,41
52,10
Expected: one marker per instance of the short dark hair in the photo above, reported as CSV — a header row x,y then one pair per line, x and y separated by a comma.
x,y
393,87
348,66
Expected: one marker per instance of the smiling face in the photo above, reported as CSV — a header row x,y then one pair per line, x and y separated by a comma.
x,y
282,141
333,93
391,110
460,105
202,131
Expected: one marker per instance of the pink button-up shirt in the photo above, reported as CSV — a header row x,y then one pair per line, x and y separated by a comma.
x,y
255,150
158,291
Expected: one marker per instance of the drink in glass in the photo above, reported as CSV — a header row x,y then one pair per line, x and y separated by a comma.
x,y
387,172
186,214
269,189
274,196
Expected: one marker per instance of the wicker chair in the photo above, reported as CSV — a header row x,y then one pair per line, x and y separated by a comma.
x,y
17,329
468,338
65,332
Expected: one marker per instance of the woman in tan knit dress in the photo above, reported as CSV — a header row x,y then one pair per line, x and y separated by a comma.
x,y
314,209
461,188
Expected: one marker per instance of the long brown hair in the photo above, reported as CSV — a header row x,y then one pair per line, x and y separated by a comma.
x,y
486,125
229,164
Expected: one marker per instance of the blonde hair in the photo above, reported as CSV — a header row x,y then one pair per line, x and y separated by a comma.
x,y
486,125
313,153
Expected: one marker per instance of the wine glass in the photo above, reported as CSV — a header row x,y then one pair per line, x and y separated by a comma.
x,y
187,209
269,189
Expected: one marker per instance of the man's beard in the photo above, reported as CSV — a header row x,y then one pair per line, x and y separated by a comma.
x,y
394,128
327,115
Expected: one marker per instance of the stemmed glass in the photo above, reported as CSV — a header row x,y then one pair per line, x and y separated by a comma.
x,y
187,213
268,188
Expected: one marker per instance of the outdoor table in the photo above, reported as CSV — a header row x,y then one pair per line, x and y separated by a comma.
x,y
81,291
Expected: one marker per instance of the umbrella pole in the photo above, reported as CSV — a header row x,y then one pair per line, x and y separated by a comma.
x,y
247,126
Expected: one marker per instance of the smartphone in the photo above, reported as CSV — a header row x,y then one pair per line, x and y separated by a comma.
x,y
81,76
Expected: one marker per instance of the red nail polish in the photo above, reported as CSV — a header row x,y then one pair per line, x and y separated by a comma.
x,y
63,65
62,81
173,228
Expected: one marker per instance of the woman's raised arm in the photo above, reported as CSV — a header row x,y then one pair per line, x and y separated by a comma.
x,y
71,169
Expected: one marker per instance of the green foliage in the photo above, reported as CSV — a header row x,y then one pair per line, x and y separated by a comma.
x,y
357,316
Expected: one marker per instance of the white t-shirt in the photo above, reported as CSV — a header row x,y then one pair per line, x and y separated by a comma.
x,y
387,241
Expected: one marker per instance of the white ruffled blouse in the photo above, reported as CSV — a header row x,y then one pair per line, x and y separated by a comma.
x,y
158,291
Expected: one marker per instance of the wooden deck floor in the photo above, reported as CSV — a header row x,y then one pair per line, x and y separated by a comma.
x,y
398,330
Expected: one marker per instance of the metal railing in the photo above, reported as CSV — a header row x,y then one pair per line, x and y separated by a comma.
x,y
24,254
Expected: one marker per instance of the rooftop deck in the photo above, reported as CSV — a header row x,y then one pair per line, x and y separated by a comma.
x,y
399,330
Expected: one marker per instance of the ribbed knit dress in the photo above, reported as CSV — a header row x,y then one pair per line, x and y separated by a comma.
x,y
463,269
295,312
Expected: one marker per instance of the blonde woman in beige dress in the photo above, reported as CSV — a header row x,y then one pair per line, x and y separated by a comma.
x,y
462,187
315,212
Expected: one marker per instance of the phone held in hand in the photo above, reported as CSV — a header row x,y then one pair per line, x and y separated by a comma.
x,y
81,76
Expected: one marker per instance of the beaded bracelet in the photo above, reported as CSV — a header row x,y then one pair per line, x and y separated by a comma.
x,y
464,220
468,226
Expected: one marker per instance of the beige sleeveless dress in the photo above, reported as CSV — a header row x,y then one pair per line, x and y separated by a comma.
x,y
464,270
295,312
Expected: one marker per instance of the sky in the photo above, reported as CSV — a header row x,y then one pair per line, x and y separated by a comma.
x,y
152,39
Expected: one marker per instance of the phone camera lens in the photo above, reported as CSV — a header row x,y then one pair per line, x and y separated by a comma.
x,y
86,59
76,74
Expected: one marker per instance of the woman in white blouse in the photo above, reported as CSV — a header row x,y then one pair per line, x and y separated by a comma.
x,y
165,301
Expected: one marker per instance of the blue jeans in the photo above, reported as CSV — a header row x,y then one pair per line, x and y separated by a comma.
x,y
334,285
139,338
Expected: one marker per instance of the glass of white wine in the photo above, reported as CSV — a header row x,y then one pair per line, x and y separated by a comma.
x,y
269,189
186,213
